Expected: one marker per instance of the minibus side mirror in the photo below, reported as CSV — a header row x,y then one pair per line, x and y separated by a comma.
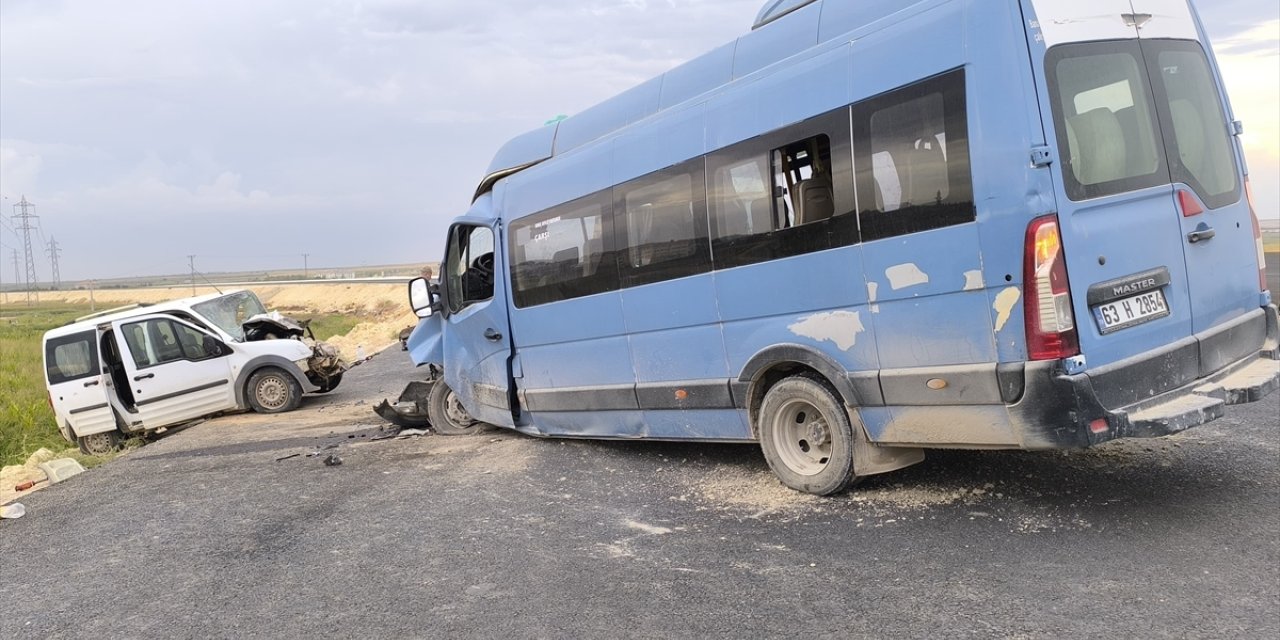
x,y
423,297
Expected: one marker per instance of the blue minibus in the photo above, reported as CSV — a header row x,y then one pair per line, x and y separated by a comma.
x,y
865,229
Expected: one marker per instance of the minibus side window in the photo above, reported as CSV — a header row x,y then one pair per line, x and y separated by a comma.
x,y
563,253
664,225
1102,110
783,194
912,158
71,357
469,266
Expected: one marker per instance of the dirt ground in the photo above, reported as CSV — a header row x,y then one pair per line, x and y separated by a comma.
x,y
384,306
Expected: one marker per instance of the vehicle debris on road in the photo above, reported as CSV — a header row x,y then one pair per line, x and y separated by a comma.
x,y
12,511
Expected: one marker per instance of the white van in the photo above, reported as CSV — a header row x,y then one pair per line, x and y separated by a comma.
x,y
138,369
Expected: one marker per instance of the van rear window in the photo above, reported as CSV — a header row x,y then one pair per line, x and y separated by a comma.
x,y
1107,134
1132,114
72,357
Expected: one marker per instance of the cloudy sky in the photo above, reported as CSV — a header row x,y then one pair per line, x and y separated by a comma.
x,y
249,132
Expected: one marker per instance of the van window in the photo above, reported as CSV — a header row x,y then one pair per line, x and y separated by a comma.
x,y
158,341
912,154
665,227
739,197
1195,126
469,266
783,194
563,253
72,357
1107,136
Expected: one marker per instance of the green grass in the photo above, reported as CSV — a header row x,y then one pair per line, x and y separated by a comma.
x,y
326,326
26,421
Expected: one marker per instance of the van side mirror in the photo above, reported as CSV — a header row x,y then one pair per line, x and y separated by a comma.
x,y
423,297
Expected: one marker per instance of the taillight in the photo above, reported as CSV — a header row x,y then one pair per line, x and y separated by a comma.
x,y
1190,206
1257,237
1051,326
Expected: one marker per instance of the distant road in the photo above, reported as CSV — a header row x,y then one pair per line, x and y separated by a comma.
x,y
382,280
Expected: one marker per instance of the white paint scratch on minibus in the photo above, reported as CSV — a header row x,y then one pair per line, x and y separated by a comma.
x,y
1004,305
873,289
973,280
905,275
839,327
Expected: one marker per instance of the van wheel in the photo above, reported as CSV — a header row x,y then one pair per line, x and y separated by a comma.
x,y
273,390
806,436
448,416
99,444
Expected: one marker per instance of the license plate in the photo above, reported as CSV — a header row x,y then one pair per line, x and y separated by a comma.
x,y
1126,312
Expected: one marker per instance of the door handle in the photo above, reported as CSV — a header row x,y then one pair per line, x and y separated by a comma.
x,y
1200,235
92,383
491,335
143,377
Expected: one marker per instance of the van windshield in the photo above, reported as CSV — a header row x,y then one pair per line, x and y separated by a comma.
x,y
1133,114
229,312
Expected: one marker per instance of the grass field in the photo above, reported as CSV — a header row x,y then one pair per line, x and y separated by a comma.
x,y
26,421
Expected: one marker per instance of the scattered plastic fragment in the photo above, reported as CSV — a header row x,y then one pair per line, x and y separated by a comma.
x,y
12,511
333,460
62,469
412,432
290,457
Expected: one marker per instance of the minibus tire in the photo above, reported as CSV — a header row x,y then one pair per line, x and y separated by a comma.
x,y
99,444
273,390
808,452
443,411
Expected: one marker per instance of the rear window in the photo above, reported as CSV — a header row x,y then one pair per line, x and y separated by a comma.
x,y
1107,134
1132,114
1199,148
70,358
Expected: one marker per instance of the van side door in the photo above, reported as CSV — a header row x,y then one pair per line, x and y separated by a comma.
x,y
73,371
176,371
477,332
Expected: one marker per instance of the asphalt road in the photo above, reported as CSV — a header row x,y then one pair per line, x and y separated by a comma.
x,y
206,534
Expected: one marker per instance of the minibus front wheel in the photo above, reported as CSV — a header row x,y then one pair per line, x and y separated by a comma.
x,y
446,413
806,436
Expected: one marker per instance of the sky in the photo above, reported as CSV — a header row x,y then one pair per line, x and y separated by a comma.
x,y
249,133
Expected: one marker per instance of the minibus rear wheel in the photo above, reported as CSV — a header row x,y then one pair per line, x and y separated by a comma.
x,y
806,435
447,415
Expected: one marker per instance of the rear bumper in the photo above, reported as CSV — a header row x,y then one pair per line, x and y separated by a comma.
x,y
1063,411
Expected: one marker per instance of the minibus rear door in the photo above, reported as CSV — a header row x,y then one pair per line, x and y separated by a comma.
x,y
1123,243
1205,163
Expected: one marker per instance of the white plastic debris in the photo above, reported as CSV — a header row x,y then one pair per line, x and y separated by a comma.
x,y
12,511
61,469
